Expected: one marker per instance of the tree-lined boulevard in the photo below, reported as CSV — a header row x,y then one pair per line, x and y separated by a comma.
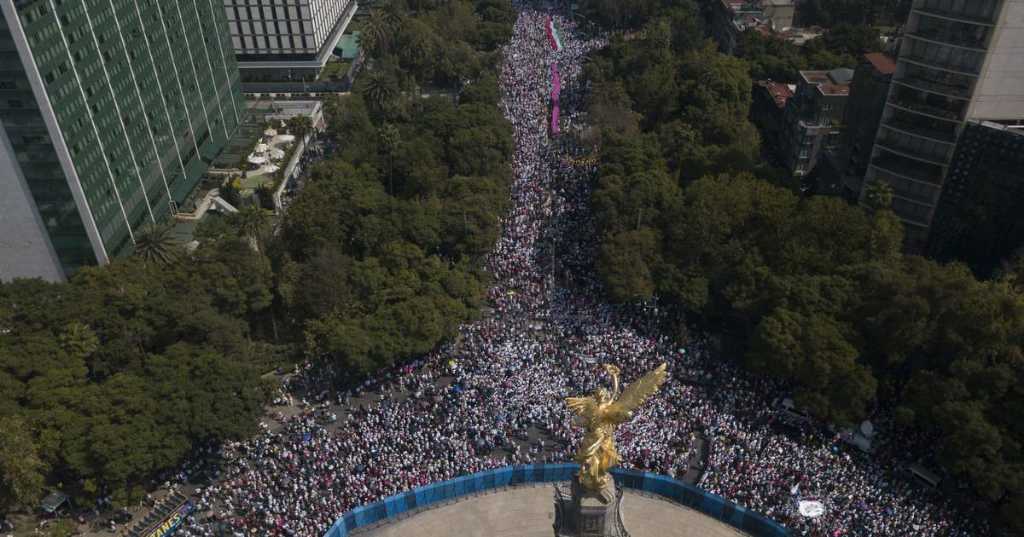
x,y
452,258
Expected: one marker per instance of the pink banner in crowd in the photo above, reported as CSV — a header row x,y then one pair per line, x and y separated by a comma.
x,y
554,119
556,83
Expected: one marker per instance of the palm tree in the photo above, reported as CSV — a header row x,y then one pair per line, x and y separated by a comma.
x,y
155,243
394,16
377,32
379,89
252,222
389,141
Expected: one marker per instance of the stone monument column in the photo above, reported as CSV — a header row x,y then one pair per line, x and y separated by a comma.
x,y
580,512
597,514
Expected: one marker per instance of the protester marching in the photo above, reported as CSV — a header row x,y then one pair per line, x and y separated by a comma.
x,y
495,395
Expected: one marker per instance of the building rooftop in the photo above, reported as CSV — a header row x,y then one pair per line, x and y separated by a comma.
x,y
883,63
746,21
739,6
834,83
780,92
800,36
841,75
751,14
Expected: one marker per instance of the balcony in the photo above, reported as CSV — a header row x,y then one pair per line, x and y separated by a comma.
x,y
954,17
935,81
908,153
931,86
942,56
921,131
980,12
929,111
906,167
912,213
921,193
921,126
949,33
947,38
929,104
930,62
915,148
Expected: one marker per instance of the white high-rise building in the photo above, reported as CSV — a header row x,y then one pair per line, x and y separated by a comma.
x,y
286,39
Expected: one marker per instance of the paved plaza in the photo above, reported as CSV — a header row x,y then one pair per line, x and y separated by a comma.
x,y
529,511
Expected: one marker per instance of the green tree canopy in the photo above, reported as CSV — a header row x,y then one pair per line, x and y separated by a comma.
x,y
120,373
816,293
381,254
22,472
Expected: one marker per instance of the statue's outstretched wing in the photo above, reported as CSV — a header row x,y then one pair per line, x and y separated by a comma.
x,y
636,393
582,406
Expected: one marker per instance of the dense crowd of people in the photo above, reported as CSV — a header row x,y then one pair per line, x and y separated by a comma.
x,y
495,395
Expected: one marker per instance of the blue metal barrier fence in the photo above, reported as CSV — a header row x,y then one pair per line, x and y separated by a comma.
x,y
666,487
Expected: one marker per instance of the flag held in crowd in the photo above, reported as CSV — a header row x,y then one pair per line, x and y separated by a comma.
x,y
553,37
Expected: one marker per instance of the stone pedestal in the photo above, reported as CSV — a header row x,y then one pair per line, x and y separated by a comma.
x,y
583,513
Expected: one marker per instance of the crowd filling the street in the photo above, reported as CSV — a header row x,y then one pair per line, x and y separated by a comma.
x,y
494,396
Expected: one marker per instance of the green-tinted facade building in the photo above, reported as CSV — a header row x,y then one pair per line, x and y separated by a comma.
x,y
111,111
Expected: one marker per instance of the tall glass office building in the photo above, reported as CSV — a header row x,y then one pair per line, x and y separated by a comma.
x,y
111,112
959,60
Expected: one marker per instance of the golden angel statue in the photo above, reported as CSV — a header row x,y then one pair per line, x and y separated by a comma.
x,y
600,414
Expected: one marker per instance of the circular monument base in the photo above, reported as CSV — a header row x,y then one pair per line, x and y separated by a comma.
x,y
529,511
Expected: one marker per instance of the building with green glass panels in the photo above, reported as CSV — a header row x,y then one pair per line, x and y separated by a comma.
x,y
111,111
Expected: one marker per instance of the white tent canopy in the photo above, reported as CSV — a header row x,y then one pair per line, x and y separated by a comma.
x,y
253,159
